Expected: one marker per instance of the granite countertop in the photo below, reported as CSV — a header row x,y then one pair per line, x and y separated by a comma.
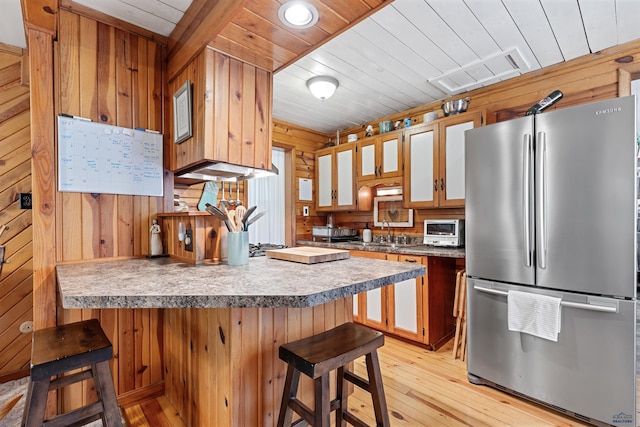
x,y
263,282
415,249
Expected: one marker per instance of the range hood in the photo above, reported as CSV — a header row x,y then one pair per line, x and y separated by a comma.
x,y
223,172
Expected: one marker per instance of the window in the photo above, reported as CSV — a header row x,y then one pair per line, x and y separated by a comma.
x,y
268,194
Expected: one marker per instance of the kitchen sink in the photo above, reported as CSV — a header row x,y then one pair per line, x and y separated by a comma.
x,y
390,245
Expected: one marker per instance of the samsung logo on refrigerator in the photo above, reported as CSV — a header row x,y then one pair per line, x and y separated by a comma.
x,y
609,110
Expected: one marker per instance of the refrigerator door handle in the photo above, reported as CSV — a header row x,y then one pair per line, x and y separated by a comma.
x,y
594,303
526,199
542,212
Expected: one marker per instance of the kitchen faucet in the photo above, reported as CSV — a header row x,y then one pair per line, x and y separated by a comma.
x,y
388,230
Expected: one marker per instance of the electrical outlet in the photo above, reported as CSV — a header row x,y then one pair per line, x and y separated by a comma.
x,y
25,200
188,240
305,211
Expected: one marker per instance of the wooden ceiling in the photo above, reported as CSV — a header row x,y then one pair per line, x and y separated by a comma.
x,y
256,34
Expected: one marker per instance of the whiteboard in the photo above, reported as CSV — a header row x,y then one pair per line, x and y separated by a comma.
x,y
99,158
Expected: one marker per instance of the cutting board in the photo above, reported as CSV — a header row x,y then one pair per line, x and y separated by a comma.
x,y
307,254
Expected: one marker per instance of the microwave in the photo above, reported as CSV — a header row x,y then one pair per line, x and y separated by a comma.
x,y
444,232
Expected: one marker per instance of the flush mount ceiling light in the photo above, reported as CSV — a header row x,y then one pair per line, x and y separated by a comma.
x,y
322,87
298,14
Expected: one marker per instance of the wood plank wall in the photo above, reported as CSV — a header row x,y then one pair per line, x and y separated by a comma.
x,y
303,143
16,281
222,365
114,77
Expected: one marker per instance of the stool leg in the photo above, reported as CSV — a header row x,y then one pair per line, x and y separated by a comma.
x,y
321,413
107,394
341,395
377,392
290,390
35,403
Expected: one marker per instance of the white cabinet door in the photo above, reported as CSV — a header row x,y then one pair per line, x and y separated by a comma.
x,y
405,306
421,167
368,161
344,160
454,162
390,157
325,188
374,306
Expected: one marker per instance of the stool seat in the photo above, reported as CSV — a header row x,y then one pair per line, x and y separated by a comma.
x,y
65,348
317,356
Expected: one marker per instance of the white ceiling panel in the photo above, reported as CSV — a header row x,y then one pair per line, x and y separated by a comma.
x,y
495,19
566,23
628,20
420,44
532,22
11,29
599,18
151,15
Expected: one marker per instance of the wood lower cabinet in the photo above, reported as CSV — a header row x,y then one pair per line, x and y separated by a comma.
x,y
369,308
420,310
405,301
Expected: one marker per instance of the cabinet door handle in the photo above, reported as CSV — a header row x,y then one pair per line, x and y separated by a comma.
x,y
435,184
442,184
411,260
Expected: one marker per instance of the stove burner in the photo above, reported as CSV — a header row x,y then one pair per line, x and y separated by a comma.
x,y
258,249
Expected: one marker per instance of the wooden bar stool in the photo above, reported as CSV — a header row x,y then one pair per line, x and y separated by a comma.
x,y
316,357
65,348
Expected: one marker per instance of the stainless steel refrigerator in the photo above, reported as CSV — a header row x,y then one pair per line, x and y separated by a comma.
x,y
551,209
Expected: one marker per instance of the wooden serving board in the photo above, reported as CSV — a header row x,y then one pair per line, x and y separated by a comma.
x,y
307,254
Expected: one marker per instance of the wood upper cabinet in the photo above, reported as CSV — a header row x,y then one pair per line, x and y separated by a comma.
x,y
380,156
335,178
434,161
231,113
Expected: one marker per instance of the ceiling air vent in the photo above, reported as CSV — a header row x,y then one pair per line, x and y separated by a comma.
x,y
499,66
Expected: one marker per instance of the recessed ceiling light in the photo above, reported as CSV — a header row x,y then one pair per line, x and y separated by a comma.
x,y
298,14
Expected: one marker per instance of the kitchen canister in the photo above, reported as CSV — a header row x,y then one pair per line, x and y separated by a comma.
x,y
237,248
386,126
429,117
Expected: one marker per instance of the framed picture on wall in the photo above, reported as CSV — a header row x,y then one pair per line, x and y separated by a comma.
x,y
389,208
182,113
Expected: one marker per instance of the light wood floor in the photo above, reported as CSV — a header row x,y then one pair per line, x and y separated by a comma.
x,y
423,388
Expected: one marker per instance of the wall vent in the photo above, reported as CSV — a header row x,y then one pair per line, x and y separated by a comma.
x,y
485,71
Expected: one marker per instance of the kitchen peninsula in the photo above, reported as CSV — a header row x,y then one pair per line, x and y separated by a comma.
x,y
223,324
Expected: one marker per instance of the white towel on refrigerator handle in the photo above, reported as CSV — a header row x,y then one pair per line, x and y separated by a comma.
x,y
534,314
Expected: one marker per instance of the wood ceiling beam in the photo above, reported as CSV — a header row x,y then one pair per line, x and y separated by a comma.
x,y
202,21
40,15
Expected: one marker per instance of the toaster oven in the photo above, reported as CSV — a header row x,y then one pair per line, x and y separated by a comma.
x,y
444,232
